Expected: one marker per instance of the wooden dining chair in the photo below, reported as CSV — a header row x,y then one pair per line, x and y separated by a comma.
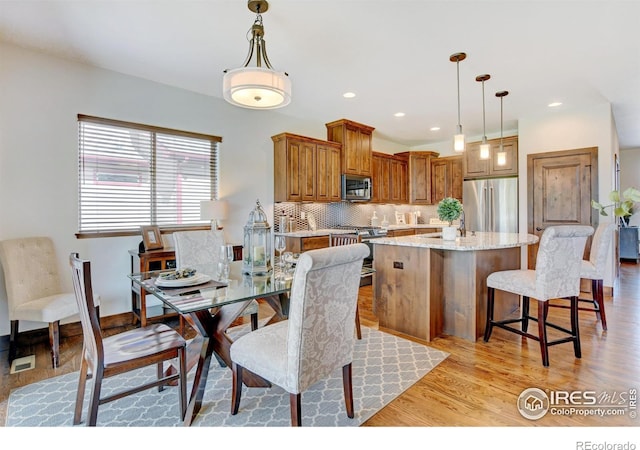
x,y
347,239
104,357
557,275
318,336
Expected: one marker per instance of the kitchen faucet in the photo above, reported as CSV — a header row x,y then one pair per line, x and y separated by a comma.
x,y
463,229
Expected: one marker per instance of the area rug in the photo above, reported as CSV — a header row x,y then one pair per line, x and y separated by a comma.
x,y
384,366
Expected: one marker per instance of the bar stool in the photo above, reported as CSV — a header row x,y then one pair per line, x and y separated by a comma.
x,y
557,275
594,269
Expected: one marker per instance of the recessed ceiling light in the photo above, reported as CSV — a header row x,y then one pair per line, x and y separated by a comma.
x,y
399,114
554,104
434,128
349,95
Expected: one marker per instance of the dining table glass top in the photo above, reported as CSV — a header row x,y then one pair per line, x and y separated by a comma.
x,y
216,293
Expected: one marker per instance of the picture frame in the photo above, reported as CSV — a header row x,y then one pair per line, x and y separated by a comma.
x,y
151,237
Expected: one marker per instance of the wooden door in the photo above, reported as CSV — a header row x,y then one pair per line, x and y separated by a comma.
x,y
398,181
561,186
327,174
439,177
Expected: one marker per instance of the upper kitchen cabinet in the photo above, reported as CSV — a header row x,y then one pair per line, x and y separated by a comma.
x,y
496,165
305,169
389,178
446,178
419,176
356,145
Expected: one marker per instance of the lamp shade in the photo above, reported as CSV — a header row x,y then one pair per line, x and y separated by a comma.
x,y
257,88
214,210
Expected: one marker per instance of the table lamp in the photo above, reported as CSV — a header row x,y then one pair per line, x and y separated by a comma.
x,y
215,211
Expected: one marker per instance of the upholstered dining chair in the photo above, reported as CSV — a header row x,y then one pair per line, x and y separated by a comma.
x,y
34,289
348,239
104,357
594,269
557,275
200,250
318,336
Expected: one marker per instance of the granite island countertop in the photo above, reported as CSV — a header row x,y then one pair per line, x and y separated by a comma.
x,y
479,241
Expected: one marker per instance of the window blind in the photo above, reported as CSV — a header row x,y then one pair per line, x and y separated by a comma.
x,y
132,175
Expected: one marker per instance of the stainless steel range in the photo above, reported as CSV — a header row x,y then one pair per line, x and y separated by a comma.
x,y
367,234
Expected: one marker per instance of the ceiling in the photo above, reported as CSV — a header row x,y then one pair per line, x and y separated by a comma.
x,y
393,54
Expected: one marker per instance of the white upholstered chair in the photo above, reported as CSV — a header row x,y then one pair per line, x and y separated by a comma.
x,y
318,336
557,275
104,357
348,239
200,250
594,269
34,289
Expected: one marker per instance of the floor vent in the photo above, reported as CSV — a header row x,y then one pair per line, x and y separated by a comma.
x,y
22,364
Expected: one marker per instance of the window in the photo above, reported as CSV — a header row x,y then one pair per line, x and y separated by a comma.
x,y
132,175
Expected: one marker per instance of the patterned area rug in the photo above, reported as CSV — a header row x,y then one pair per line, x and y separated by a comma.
x,y
384,366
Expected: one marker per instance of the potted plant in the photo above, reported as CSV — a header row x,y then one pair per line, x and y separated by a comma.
x,y
449,209
623,206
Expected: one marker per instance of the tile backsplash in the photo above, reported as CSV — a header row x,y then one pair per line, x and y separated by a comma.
x,y
330,215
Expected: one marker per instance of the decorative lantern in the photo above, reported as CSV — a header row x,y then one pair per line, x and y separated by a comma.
x,y
256,253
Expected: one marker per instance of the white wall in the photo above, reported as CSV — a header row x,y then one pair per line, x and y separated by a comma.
x,y
566,130
41,97
630,175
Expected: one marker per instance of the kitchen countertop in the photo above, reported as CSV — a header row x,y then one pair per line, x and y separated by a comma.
x,y
481,241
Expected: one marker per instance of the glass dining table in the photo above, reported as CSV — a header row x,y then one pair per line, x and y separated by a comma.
x,y
211,308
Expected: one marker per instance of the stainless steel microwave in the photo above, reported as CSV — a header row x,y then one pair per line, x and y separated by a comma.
x,y
356,188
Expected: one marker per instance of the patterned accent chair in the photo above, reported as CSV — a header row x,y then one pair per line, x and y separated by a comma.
x,y
594,269
34,289
557,275
317,338
200,250
104,357
348,239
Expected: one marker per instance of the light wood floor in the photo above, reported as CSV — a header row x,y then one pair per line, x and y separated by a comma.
x,y
479,383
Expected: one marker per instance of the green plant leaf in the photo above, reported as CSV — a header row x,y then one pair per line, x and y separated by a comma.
x,y
631,194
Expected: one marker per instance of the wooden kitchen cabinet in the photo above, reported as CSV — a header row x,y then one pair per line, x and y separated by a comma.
x,y
356,141
303,244
401,232
305,169
474,167
419,170
446,178
389,179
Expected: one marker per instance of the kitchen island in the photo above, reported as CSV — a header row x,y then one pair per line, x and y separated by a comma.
x,y
427,287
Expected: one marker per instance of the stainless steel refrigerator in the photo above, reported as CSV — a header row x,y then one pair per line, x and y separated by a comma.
x,y
491,204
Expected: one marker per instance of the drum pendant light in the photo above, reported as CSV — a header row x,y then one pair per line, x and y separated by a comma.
x,y
484,146
458,138
257,87
502,155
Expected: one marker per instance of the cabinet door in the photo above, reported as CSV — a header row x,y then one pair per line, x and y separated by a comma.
x,y
327,187
456,177
350,151
398,181
364,153
376,178
474,167
301,171
439,178
420,176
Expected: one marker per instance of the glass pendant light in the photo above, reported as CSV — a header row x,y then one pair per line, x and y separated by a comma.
x,y
484,146
502,155
458,138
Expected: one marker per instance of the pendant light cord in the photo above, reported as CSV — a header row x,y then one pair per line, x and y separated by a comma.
x,y
458,72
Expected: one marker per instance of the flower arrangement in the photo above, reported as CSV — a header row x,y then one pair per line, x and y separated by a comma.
x,y
622,205
449,209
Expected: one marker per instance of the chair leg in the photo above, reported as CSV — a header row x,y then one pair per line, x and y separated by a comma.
x,y
598,299
525,313
296,409
488,328
347,386
236,390
358,330
160,374
543,311
182,357
575,331
82,384
254,321
94,402
13,340
54,341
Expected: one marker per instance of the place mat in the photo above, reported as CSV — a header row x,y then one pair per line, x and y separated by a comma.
x,y
211,284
